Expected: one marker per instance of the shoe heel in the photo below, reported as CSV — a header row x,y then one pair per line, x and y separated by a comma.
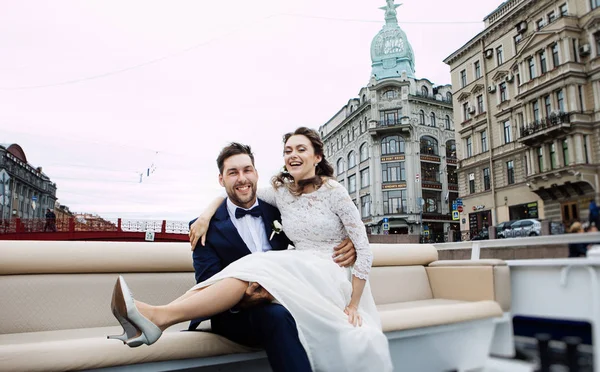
x,y
137,341
123,337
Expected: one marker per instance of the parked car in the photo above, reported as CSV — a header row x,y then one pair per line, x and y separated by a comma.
x,y
502,227
526,227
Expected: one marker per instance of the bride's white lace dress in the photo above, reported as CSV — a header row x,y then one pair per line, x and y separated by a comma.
x,y
312,287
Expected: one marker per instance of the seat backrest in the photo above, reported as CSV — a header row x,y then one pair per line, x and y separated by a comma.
x,y
390,284
398,273
56,285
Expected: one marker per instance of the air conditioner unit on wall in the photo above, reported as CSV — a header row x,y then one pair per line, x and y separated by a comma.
x,y
491,88
489,53
521,27
471,109
584,50
509,77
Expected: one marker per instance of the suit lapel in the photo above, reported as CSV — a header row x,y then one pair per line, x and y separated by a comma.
x,y
225,226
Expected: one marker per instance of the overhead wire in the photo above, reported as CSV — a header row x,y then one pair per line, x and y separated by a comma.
x,y
234,31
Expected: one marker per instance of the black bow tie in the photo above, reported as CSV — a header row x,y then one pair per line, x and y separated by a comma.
x,y
254,212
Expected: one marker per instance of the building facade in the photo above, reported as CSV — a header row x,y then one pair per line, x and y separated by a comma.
x,y
527,105
393,147
25,191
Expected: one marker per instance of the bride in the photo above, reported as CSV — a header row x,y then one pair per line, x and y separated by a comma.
x,y
335,313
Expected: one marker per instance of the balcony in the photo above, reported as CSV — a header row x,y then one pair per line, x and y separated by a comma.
x,y
440,99
545,129
402,124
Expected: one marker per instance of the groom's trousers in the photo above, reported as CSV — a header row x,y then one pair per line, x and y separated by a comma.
x,y
270,326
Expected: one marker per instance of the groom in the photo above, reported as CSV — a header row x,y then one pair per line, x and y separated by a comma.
x,y
243,225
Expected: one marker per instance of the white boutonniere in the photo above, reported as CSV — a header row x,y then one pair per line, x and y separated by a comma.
x,y
277,228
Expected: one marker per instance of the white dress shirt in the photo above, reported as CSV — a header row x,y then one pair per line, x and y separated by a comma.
x,y
251,229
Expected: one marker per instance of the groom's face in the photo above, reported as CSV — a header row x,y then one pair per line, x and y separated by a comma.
x,y
239,179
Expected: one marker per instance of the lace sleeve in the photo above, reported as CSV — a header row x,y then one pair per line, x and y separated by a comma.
x,y
268,195
343,206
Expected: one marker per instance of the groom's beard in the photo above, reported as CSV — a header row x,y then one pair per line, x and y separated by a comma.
x,y
242,200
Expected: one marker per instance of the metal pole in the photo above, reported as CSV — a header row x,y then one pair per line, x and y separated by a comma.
x,y
3,195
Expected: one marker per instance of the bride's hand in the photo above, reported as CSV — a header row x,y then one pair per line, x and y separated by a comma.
x,y
198,231
353,315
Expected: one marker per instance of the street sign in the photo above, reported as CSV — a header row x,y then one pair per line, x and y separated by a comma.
x,y
454,205
386,220
455,216
386,226
460,208
34,198
459,201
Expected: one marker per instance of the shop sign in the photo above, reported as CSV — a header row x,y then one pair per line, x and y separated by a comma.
x,y
392,158
394,186
478,207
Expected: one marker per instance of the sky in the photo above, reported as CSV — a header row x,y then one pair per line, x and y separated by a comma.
x,y
98,91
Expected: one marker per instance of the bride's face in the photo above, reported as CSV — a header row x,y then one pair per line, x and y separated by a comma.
x,y
299,157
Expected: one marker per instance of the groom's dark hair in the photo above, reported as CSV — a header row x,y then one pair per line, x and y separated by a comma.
x,y
232,149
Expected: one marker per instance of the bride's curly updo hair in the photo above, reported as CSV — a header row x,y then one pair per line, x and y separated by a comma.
x,y
322,170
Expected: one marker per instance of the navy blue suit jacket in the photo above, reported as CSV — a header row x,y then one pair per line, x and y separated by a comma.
x,y
224,244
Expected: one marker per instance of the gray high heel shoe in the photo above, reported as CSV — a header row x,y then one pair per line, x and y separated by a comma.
x,y
146,332
129,331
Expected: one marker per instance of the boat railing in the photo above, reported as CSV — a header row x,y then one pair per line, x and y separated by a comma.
x,y
546,240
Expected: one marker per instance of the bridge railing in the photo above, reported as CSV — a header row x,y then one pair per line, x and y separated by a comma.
x,y
72,224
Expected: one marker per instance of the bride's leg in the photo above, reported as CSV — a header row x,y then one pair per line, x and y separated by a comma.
x,y
209,301
186,295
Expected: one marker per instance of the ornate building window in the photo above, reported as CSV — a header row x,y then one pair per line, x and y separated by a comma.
x,y
452,176
394,202
565,150
352,183
429,146
433,201
447,121
422,117
451,149
432,123
430,171
390,117
365,206
390,94
393,172
424,91
555,60
510,172
484,142
365,179
364,152
351,160
340,166
486,179
469,151
392,145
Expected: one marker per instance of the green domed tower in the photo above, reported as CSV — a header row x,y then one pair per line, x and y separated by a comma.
x,y
391,53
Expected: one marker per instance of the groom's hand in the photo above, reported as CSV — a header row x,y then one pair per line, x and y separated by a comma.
x,y
255,295
345,253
